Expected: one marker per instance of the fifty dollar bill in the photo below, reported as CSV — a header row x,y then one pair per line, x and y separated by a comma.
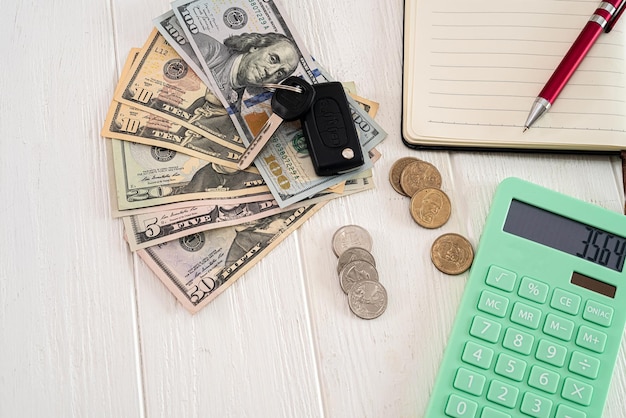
x,y
200,266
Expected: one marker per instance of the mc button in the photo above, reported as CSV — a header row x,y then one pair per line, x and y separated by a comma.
x,y
493,304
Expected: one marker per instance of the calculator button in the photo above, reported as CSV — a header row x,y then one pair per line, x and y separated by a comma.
x,y
543,379
493,304
534,290
485,329
502,394
598,313
470,382
492,413
565,301
584,365
564,411
551,353
510,367
536,406
518,341
477,355
459,407
501,278
591,339
558,327
577,391
525,315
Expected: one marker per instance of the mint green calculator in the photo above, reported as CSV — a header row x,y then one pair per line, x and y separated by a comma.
x,y
543,312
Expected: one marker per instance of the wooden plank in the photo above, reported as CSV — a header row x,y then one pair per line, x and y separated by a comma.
x,y
66,285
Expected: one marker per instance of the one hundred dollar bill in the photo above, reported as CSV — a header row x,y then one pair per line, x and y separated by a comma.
x,y
161,82
199,267
242,46
168,26
149,176
153,228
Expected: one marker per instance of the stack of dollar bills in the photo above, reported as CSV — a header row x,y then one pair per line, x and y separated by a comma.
x,y
187,104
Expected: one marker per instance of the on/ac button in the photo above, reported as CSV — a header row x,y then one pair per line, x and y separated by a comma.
x,y
598,313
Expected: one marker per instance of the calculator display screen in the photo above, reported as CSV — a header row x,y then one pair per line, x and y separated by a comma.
x,y
564,234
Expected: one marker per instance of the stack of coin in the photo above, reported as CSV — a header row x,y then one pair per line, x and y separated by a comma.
x,y
431,208
357,272
421,181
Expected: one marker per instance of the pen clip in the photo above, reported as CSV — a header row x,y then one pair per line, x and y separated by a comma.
x,y
613,20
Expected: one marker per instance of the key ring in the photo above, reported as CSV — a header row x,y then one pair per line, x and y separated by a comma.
x,y
272,86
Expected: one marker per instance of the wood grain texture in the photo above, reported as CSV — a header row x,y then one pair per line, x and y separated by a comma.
x,y
86,329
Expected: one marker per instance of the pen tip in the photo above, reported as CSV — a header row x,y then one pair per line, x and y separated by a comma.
x,y
525,129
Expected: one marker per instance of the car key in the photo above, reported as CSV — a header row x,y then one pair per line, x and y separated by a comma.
x,y
331,136
287,105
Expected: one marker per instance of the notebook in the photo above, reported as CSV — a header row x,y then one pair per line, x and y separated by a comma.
x,y
472,70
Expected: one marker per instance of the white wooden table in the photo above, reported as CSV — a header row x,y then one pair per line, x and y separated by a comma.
x,y
87,330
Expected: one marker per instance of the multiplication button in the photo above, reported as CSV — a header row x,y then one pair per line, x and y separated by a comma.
x,y
577,391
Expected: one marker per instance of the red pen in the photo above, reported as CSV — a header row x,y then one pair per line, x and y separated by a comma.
x,y
604,18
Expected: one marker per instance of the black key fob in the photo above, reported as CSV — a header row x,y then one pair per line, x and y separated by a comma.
x,y
330,133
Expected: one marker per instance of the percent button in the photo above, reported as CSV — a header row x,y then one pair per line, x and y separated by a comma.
x,y
534,290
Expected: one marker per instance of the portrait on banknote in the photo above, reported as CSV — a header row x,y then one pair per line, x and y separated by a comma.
x,y
247,60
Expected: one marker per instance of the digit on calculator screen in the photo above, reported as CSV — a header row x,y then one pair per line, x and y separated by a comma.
x,y
564,234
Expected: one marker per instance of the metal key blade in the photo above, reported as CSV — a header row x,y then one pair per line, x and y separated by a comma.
x,y
259,141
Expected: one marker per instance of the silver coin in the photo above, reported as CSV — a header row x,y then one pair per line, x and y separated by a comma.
x,y
352,254
351,236
368,299
354,272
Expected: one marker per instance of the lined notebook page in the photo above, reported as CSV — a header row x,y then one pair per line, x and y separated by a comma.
x,y
473,69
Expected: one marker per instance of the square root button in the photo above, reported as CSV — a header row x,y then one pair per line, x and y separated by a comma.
x,y
501,278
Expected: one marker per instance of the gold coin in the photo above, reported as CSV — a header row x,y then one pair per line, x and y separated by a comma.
x,y
419,175
430,208
396,171
452,254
